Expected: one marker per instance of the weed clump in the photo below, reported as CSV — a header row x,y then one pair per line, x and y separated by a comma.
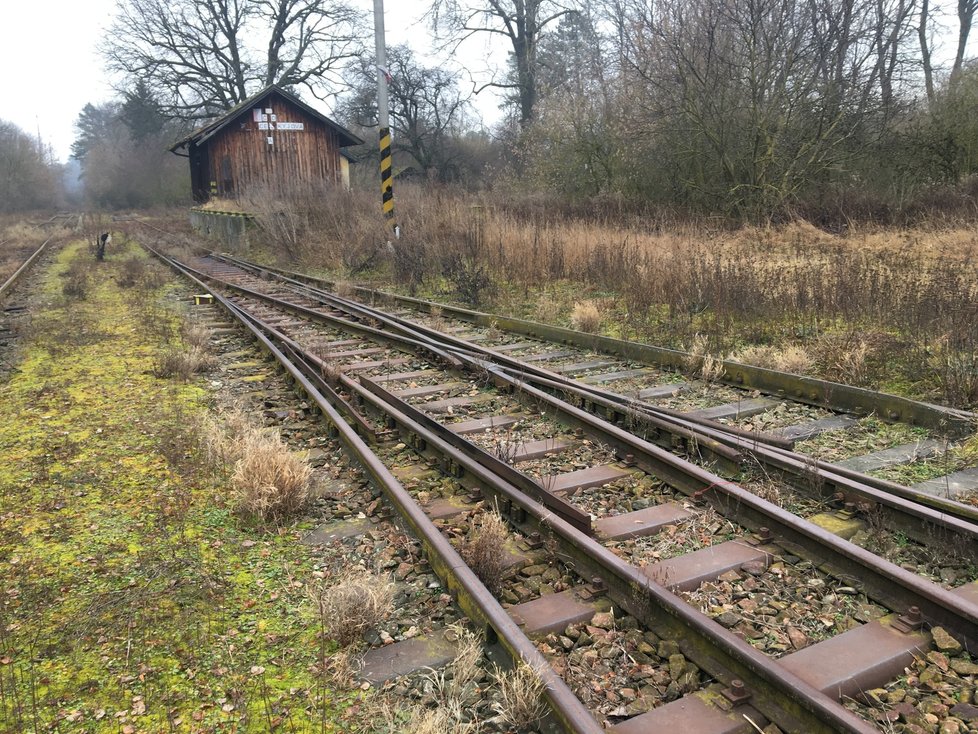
x,y
520,703
269,481
358,603
193,359
793,359
700,362
482,547
76,281
586,316
183,364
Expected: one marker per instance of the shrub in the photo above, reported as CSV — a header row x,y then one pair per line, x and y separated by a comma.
x,y
76,280
269,481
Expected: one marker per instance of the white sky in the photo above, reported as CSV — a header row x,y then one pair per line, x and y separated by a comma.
x,y
51,68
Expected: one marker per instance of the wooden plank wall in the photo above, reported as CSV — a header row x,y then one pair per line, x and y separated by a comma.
x,y
296,156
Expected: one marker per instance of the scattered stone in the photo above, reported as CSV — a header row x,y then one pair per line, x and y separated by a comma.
x,y
729,619
945,642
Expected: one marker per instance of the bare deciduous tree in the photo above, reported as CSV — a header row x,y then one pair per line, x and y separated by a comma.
x,y
426,109
521,22
201,57
966,18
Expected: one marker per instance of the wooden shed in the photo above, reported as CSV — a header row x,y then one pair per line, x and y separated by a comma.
x,y
272,140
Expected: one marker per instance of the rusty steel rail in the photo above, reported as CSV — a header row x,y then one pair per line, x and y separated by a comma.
x,y
917,513
809,390
777,693
883,581
469,592
914,512
24,267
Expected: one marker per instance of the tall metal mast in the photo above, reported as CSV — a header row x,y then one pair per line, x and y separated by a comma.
x,y
383,116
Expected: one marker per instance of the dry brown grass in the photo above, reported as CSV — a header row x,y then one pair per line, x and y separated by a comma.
x,y
269,482
787,285
520,703
195,335
701,362
358,602
586,317
183,363
344,289
791,358
482,549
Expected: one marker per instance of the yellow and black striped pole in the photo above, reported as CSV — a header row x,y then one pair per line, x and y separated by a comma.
x,y
387,179
383,118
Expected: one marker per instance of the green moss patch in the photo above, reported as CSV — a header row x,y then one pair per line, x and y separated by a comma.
x,y
131,598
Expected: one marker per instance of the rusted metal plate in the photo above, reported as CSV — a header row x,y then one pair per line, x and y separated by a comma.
x,y
951,485
449,404
639,523
328,532
375,364
594,364
811,429
531,450
355,353
553,612
426,390
740,409
573,481
893,456
514,347
408,656
663,391
401,376
694,714
445,508
614,376
547,356
692,569
478,425
340,343
855,661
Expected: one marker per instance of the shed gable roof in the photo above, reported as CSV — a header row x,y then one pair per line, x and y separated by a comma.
x,y
206,132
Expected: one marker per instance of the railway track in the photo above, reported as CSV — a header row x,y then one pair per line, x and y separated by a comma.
x,y
654,511
13,311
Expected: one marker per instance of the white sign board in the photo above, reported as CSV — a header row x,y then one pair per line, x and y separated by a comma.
x,y
289,126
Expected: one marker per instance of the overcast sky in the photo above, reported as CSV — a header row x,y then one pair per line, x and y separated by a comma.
x,y
51,67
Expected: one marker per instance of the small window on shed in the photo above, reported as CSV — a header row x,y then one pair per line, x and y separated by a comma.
x,y
227,180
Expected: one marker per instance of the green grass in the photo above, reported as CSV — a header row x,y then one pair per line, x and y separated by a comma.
x,y
132,600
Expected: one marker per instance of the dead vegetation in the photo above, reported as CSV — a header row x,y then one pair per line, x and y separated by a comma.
x,y
192,358
791,358
482,549
356,603
183,363
520,703
269,482
850,302
586,317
